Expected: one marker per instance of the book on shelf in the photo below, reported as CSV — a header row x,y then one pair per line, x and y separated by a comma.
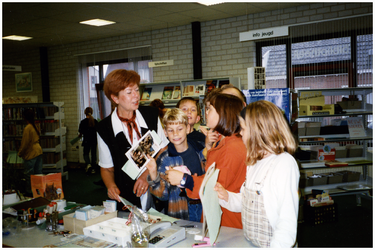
x,y
356,128
223,82
149,144
146,94
318,138
167,93
210,85
177,92
200,89
335,163
189,90
48,186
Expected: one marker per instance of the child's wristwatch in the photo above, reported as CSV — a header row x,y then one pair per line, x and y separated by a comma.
x,y
183,180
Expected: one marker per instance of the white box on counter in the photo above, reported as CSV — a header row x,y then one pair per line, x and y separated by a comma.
x,y
114,230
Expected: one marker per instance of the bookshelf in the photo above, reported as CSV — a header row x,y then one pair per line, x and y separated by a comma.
x,y
354,150
171,92
49,120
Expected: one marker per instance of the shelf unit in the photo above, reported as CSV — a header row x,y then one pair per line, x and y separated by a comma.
x,y
365,161
157,89
49,119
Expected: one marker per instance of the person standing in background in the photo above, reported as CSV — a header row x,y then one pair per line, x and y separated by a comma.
x,y
87,129
160,105
30,150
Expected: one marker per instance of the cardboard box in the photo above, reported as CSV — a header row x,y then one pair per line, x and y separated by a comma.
x,y
350,176
76,226
321,180
313,128
350,105
311,98
48,186
334,178
354,150
328,109
341,152
324,153
305,182
301,128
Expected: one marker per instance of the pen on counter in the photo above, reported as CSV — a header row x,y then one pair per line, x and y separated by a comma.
x,y
188,226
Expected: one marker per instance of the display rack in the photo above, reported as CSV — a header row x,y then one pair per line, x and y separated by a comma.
x,y
49,120
365,142
171,92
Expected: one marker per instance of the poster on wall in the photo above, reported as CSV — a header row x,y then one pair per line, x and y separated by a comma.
x,y
278,96
24,82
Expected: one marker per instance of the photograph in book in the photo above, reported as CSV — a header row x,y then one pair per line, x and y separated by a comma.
x,y
149,144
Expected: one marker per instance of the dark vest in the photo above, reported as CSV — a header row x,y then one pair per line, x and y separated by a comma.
x,y
119,145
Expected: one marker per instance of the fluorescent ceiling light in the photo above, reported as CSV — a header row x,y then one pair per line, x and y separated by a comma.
x,y
17,38
97,22
208,3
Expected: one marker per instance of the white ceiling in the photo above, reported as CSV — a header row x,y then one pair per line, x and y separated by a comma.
x,y
52,24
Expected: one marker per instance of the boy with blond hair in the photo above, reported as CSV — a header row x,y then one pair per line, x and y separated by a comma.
x,y
181,151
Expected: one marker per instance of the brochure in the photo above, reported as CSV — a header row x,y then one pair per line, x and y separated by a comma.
x,y
210,202
149,144
200,89
356,128
167,93
189,90
177,92
146,94
210,85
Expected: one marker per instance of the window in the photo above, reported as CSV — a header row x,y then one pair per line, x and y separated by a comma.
x,y
95,67
274,62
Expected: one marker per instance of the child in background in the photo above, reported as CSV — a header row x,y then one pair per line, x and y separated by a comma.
x,y
268,200
228,152
182,151
192,110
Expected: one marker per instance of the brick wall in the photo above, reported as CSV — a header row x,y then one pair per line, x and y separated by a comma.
x,y
222,53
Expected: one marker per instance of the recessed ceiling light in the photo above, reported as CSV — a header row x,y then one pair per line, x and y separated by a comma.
x,y
208,3
97,22
17,38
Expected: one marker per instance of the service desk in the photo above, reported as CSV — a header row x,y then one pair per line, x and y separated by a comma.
x,y
38,237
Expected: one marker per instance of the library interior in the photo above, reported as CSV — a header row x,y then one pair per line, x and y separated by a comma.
x,y
313,60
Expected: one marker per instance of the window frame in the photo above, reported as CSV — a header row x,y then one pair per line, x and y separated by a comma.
x,y
290,69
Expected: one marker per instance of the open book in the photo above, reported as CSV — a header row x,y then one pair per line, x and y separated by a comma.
x,y
149,144
210,202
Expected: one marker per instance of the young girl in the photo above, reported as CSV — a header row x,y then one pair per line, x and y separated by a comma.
x,y
228,152
268,200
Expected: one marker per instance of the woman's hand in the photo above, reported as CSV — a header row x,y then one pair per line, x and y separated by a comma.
x,y
152,168
222,193
141,185
174,177
211,137
113,193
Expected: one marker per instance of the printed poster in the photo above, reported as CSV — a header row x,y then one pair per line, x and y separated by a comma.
x,y
279,96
